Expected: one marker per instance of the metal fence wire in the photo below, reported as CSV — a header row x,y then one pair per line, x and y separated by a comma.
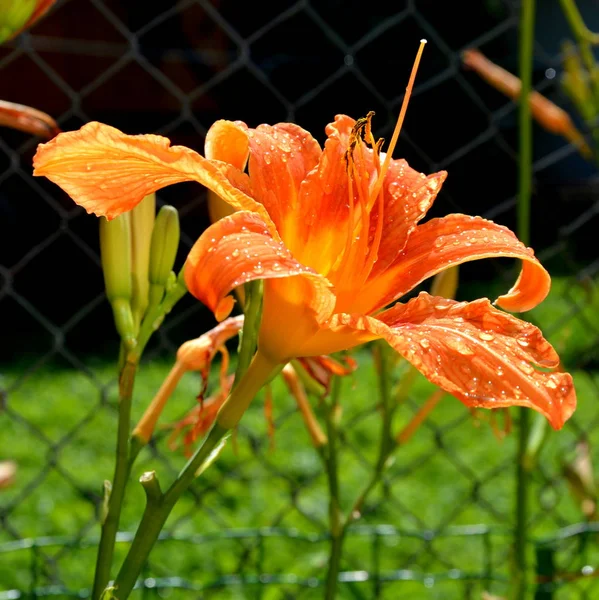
x,y
440,525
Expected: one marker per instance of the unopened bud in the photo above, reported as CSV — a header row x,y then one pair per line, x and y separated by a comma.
x,y
163,251
142,223
115,247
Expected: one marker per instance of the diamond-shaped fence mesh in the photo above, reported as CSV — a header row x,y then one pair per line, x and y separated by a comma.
x,y
440,526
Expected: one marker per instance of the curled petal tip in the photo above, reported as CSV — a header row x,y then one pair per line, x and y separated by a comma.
x,y
224,308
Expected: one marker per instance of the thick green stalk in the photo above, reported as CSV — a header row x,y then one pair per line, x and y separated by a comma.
x,y
157,511
249,334
527,22
122,468
158,508
249,380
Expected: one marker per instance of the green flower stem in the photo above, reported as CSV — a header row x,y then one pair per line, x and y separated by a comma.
x,y
122,468
248,382
159,506
338,523
336,518
155,316
387,443
249,334
526,43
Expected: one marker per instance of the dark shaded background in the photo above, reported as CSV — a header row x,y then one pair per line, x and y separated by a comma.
x,y
174,68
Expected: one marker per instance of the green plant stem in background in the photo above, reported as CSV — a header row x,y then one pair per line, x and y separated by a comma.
x,y
585,40
336,519
526,44
581,31
338,522
122,468
387,444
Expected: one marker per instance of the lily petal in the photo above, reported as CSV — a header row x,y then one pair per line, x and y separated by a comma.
x,y
408,195
452,240
237,249
108,172
280,158
228,141
481,355
323,201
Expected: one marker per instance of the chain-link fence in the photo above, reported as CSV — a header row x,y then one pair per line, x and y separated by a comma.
x,y
440,525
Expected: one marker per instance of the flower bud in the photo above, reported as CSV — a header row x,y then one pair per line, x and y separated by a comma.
x,y
115,248
142,223
163,250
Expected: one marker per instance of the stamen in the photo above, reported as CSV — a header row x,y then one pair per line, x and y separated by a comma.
x,y
400,119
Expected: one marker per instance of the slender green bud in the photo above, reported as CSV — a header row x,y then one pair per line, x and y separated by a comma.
x,y
115,248
163,251
14,15
142,223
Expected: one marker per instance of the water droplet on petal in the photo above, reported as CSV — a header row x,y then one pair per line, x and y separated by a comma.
x,y
487,337
551,384
526,368
499,371
235,253
267,158
459,346
425,344
523,343
258,269
472,384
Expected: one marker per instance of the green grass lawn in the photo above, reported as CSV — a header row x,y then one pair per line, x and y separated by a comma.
x,y
60,423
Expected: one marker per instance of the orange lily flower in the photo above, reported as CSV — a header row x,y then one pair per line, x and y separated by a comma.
x,y
335,235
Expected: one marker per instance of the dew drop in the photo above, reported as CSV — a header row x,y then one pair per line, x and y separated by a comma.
x,y
551,384
523,343
487,337
235,253
211,249
472,384
267,158
526,368
438,242
258,269
425,344
499,371
459,346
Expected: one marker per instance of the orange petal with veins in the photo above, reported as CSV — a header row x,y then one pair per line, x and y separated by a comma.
x,y
238,249
108,172
481,355
408,195
450,241
280,158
